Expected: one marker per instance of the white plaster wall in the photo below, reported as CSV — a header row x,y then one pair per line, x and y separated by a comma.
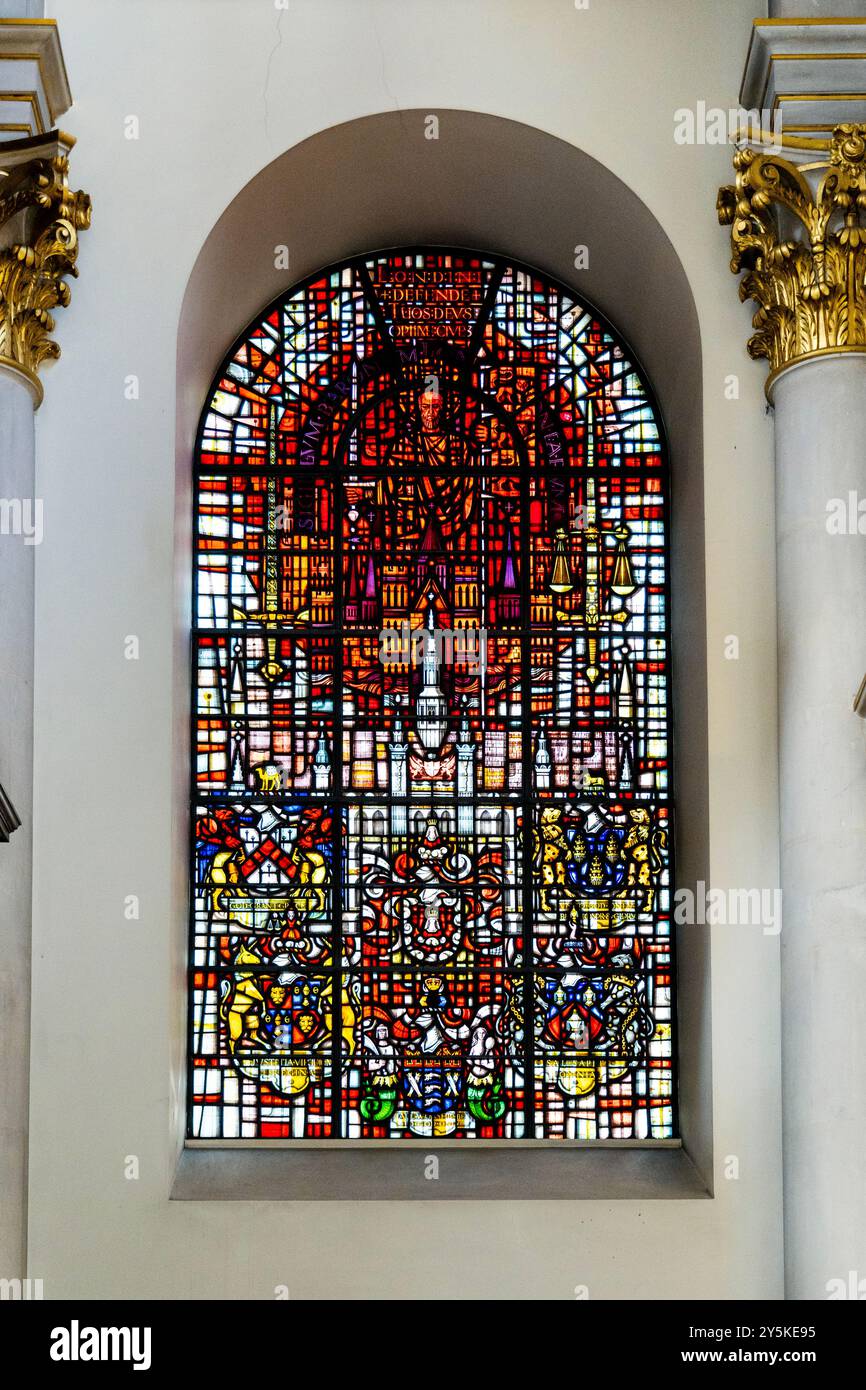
x,y
221,87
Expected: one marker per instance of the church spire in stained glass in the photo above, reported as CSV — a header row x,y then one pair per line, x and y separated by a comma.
x,y
431,722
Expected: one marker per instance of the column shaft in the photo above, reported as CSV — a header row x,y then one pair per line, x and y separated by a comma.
x,y
820,432
17,444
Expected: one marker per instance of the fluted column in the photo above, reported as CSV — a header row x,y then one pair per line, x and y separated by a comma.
x,y
40,219
799,235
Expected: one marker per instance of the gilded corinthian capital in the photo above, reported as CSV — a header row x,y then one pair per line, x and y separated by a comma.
x,y
40,218
810,288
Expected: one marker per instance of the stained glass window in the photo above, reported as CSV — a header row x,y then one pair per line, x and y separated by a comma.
x,y
431,718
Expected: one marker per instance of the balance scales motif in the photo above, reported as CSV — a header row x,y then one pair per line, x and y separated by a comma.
x,y
597,869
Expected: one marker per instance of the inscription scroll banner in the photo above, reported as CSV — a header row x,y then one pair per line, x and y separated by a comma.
x,y
430,303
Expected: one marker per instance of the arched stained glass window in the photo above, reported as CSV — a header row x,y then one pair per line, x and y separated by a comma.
x,y
431,719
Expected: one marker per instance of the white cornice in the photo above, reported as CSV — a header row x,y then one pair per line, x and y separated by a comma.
x,y
34,87
809,75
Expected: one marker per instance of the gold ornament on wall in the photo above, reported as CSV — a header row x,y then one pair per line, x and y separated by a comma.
x,y
809,289
47,215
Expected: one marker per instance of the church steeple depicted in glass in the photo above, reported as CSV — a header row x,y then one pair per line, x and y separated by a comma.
x,y
431,712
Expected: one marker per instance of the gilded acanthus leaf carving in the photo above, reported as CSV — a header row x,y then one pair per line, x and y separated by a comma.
x,y
32,271
810,288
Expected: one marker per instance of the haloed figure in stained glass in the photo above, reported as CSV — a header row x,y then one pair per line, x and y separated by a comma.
x,y
431,719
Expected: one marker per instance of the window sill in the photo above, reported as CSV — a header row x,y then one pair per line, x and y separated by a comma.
x,y
548,1172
